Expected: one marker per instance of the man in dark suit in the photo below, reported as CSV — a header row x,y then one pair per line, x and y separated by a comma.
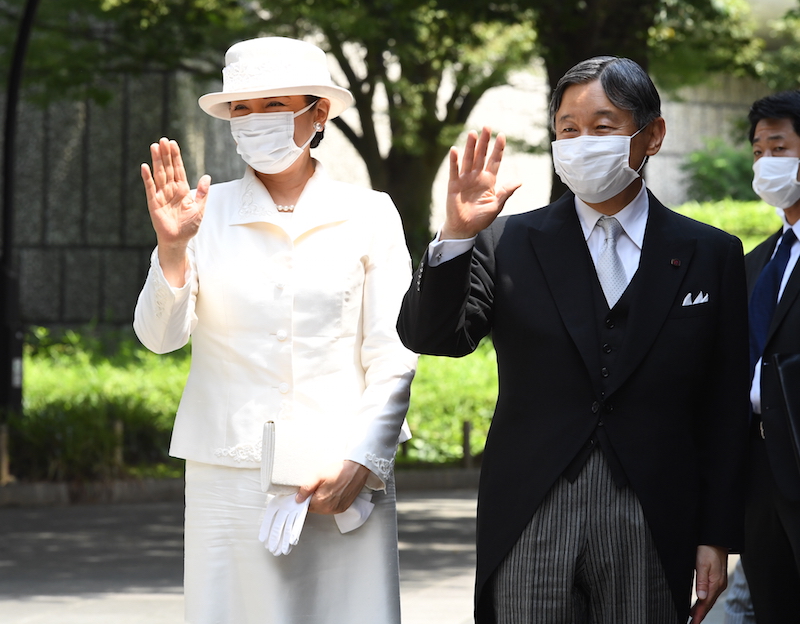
x,y
612,469
772,527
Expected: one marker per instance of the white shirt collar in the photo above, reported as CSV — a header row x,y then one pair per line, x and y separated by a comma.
x,y
632,218
786,226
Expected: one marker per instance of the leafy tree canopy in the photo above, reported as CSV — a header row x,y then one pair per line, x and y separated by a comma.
x,y
690,40
779,64
419,66
79,47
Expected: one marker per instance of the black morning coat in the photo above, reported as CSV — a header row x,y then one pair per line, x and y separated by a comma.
x,y
674,405
783,336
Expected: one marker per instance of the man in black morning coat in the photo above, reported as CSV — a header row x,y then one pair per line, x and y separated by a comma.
x,y
772,527
613,466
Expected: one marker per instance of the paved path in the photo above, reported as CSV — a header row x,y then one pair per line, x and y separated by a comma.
x,y
122,564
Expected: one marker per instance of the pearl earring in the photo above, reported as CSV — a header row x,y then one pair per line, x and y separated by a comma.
x,y
318,127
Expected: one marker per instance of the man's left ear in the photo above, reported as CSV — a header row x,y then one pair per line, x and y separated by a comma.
x,y
656,131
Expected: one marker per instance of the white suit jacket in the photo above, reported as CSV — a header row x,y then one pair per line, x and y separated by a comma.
x,y
291,316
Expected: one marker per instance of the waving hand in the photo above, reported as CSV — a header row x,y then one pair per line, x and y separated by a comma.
x,y
175,214
473,201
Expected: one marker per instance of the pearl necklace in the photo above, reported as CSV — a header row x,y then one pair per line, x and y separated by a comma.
x,y
283,208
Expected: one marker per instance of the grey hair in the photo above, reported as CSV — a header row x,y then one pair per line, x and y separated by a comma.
x,y
624,82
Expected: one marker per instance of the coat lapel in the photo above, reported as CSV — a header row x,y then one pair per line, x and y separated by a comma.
x,y
666,256
757,260
789,296
562,252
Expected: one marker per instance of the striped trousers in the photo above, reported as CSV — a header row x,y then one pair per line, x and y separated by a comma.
x,y
586,557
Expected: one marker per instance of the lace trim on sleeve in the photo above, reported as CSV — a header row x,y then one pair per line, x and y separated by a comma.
x,y
241,452
384,466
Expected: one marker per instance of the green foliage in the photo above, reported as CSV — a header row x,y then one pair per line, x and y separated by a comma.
x,y
720,170
751,221
445,393
81,48
76,388
689,40
779,64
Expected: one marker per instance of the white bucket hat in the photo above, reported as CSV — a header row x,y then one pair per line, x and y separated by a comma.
x,y
273,66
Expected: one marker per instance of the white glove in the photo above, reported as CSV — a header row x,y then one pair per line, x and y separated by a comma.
x,y
355,515
282,524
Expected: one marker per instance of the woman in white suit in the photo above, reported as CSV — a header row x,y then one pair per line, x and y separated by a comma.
x,y
289,285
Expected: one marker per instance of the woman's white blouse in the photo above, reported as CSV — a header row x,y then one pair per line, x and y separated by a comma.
x,y
291,316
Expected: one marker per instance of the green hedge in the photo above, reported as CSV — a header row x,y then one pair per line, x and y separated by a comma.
x,y
445,393
751,221
77,387
720,170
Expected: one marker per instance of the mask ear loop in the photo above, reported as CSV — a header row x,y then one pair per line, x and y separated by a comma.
x,y
646,157
303,110
317,126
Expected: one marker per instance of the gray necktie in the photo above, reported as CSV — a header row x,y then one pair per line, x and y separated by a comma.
x,y
609,266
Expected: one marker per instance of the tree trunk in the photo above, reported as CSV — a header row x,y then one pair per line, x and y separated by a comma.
x,y
410,184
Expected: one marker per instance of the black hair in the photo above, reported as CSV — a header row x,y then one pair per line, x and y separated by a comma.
x,y
783,105
624,82
313,99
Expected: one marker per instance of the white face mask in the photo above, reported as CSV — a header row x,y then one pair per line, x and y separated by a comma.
x,y
266,140
775,180
595,168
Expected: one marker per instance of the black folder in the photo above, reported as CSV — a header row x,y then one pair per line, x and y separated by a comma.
x,y
788,367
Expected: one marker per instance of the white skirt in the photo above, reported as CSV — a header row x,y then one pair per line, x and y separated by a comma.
x,y
328,578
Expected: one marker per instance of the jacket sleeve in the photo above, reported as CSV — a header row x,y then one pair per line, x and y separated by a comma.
x,y
164,317
388,366
447,310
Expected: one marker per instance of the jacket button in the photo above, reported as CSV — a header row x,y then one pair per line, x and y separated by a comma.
x,y
279,285
595,407
281,335
607,348
604,372
283,388
600,423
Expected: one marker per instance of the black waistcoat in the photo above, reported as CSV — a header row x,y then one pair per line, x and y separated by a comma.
x,y
610,331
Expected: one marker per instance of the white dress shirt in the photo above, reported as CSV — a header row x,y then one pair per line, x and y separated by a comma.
x,y
794,253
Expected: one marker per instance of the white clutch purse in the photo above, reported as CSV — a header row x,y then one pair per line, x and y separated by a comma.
x,y
295,452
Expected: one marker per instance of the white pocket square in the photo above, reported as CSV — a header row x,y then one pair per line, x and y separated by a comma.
x,y
700,298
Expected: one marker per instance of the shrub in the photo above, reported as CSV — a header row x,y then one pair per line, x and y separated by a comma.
x,y
445,393
720,171
76,390
751,221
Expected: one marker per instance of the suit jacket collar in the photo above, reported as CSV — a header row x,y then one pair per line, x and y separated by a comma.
x,y
758,258
791,294
666,256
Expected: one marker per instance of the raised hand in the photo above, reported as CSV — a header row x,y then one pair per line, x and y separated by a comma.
x,y
473,201
175,214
